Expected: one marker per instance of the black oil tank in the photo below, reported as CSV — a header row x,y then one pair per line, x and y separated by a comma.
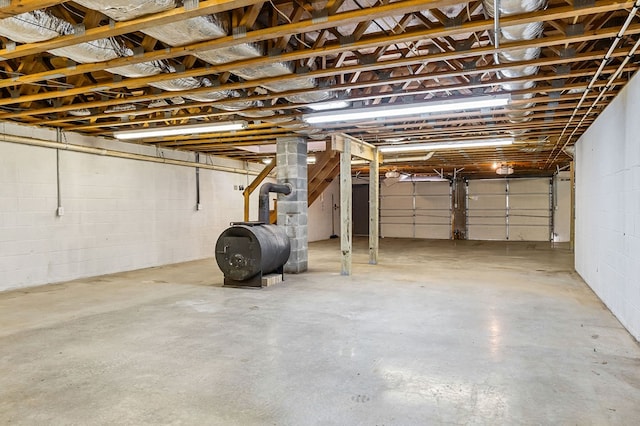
x,y
247,249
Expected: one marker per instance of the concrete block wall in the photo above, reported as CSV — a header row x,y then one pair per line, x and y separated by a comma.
x,y
293,208
607,240
119,214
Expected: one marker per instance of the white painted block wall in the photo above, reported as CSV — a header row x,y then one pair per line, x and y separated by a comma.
x,y
320,213
607,250
119,214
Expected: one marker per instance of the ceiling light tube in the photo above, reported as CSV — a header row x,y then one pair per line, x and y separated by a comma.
x,y
409,159
478,143
323,106
388,111
223,126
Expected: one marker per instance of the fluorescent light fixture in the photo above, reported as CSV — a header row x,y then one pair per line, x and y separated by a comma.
x,y
323,106
422,178
223,126
446,145
389,111
409,159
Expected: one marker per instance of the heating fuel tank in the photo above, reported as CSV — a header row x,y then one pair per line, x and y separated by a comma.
x,y
248,250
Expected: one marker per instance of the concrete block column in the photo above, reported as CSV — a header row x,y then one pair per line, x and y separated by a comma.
x,y
291,156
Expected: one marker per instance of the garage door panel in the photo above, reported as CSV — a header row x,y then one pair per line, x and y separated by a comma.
x,y
432,188
487,202
486,186
440,202
399,188
528,186
485,232
397,230
398,219
529,201
528,209
529,214
528,233
486,220
442,232
529,217
397,202
423,218
390,213
416,209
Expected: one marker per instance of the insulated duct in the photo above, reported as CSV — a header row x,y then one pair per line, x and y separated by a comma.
x,y
121,110
189,31
176,84
143,69
103,49
249,51
123,10
40,25
82,112
211,96
257,113
210,27
513,33
33,27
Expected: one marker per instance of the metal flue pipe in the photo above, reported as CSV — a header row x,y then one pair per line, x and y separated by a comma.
x,y
263,200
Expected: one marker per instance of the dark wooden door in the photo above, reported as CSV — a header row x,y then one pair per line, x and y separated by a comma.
x,y
360,196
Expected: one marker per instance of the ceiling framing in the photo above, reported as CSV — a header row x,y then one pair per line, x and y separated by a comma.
x,y
368,52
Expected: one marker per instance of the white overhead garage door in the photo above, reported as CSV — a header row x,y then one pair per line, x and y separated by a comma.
x,y
509,209
416,210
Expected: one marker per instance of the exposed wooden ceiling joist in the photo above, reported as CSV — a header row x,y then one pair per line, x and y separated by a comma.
x,y
369,53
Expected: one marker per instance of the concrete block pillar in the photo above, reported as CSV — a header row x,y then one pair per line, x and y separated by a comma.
x,y
291,157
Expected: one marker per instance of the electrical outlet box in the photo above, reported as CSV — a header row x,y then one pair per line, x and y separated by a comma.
x,y
198,206
60,211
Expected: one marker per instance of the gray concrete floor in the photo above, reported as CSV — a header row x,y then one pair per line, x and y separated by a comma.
x,y
440,332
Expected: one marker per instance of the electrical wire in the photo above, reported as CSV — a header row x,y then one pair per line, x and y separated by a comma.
x,y
595,77
289,21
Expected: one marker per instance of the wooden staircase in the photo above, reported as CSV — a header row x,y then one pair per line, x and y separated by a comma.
x,y
319,176
322,173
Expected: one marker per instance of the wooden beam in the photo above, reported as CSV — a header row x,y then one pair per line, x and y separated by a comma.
x,y
217,6
357,147
123,27
16,7
374,210
346,225
309,25
254,184
442,87
250,16
140,82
